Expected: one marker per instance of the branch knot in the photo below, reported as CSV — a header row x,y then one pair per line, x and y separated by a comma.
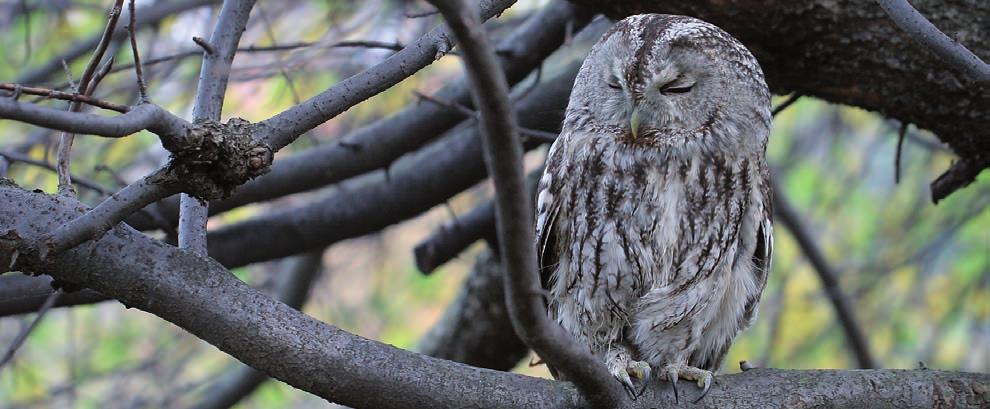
x,y
219,157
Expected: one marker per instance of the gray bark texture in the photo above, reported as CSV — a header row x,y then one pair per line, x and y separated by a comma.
x,y
200,296
850,52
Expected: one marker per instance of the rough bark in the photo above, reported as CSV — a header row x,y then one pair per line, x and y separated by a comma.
x,y
850,52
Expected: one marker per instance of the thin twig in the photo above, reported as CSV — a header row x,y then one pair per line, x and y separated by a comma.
x,y
503,158
14,346
205,45
897,156
67,96
421,14
925,33
142,87
89,184
527,133
65,141
783,105
289,82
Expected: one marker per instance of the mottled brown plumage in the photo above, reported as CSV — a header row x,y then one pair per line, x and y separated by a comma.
x,y
653,214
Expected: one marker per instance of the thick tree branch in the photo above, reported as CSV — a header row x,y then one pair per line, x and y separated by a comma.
x,y
292,289
198,294
514,215
202,297
850,52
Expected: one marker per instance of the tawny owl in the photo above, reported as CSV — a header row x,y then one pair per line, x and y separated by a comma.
x,y
654,214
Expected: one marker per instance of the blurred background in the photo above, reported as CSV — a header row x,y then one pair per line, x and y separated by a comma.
x,y
914,278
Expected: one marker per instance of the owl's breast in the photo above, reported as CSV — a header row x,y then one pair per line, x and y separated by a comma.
x,y
633,218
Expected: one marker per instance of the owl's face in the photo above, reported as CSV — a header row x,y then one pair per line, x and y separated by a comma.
x,y
657,76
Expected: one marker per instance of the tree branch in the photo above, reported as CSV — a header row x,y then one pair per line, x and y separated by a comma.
x,y
202,297
108,213
926,34
213,77
198,294
378,145
456,235
476,329
514,214
149,15
293,289
288,125
87,84
850,52
67,96
23,294
171,129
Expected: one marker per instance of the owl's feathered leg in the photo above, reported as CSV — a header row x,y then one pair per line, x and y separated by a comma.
x,y
621,365
677,371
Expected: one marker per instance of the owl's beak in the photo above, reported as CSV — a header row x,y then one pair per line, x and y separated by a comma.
x,y
634,123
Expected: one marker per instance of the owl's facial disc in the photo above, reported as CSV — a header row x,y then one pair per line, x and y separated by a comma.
x,y
656,97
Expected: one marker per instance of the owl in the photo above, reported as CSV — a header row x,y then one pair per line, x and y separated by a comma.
x,y
653,227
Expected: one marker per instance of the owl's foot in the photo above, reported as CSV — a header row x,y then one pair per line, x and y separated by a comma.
x,y
623,368
676,371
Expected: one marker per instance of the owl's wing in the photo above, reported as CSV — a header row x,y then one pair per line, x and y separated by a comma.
x,y
546,214
761,258
547,208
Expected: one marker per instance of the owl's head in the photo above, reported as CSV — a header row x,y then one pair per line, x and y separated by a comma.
x,y
661,79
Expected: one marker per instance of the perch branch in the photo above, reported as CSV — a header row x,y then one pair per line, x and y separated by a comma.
x,y
198,295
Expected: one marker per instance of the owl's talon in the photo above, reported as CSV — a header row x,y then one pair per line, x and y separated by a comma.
x,y
672,378
705,383
703,377
642,371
